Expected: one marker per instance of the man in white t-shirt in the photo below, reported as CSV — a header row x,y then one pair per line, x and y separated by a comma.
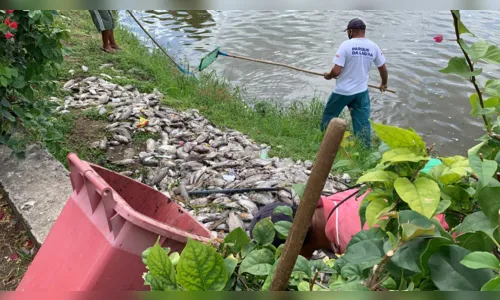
x,y
352,64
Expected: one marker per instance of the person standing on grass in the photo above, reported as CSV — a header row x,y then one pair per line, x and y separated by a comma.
x,y
105,23
352,65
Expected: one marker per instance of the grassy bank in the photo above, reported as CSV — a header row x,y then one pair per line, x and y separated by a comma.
x,y
292,132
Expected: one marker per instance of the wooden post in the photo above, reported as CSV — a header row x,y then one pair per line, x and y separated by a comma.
x,y
302,221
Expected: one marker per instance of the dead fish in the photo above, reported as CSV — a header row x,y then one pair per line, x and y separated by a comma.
x,y
199,202
201,149
245,216
167,149
150,145
262,199
252,179
189,146
227,164
124,162
121,139
261,162
233,221
201,138
181,154
159,176
248,205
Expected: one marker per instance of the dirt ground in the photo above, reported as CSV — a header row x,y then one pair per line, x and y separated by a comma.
x,y
16,248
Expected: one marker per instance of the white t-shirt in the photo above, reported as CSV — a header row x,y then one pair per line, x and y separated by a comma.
x,y
356,56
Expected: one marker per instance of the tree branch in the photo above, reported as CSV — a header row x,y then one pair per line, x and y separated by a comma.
x,y
471,67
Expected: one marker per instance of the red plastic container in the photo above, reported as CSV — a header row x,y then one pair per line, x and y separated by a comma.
x,y
97,240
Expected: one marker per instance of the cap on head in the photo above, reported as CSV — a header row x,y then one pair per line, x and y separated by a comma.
x,y
356,24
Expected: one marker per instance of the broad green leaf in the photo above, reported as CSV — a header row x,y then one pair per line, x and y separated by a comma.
x,y
422,196
461,27
302,265
5,103
481,260
491,102
477,110
283,227
476,51
200,268
492,286
411,231
375,209
378,176
372,233
449,275
442,207
352,272
459,66
365,253
440,230
280,248
6,114
408,255
351,286
431,247
483,169
248,249
239,238
230,263
477,221
489,200
475,241
269,278
144,255
263,232
396,137
299,189
257,262
362,211
161,269
452,170
460,199
492,87
342,164
320,265
402,155
492,55
283,209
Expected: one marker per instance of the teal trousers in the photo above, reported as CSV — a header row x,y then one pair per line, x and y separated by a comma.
x,y
359,105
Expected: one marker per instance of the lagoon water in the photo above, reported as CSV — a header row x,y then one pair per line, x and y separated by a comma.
x,y
434,104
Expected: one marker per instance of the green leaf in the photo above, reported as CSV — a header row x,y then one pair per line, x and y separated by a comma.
x,y
477,221
396,137
5,103
352,272
200,268
408,255
239,238
477,110
263,232
378,176
449,275
248,249
342,164
257,262
161,269
489,200
362,211
283,227
280,248
484,169
475,241
481,260
8,116
411,231
491,102
375,209
283,209
422,196
351,286
304,287
461,27
431,247
442,207
366,253
459,66
230,263
492,286
299,189
372,233
302,265
492,87
492,55
476,51
269,278
402,155
460,199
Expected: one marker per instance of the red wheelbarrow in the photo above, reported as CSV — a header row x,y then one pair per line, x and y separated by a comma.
x,y
97,241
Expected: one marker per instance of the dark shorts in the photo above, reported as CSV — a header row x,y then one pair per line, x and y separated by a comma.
x,y
103,19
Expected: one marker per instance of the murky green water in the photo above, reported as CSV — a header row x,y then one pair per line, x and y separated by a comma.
x,y
434,104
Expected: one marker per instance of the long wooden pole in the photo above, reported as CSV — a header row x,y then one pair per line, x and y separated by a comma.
x,y
290,67
302,220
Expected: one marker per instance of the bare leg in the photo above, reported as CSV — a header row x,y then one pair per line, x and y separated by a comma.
x,y
112,41
105,42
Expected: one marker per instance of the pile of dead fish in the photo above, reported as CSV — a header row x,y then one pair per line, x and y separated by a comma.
x,y
190,152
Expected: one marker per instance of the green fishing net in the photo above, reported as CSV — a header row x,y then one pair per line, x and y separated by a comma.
x,y
208,59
